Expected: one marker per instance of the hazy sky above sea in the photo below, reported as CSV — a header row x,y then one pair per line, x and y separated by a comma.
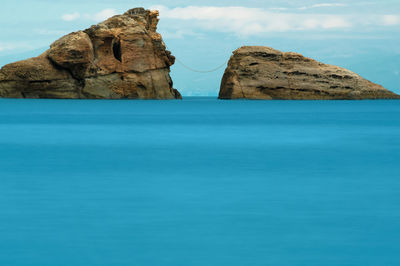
x,y
361,35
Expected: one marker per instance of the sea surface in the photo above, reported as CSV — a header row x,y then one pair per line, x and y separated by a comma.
x,y
199,182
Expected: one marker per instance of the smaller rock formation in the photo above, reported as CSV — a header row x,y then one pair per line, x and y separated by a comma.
x,y
122,57
265,73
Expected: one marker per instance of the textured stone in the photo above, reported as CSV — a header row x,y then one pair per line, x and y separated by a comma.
x,y
122,57
256,72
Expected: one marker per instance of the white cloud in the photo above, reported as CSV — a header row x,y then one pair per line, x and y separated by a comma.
x,y
9,46
245,21
335,23
328,5
322,5
311,23
278,8
391,20
71,17
102,15
181,33
50,32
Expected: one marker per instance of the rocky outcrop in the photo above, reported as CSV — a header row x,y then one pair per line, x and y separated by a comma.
x,y
265,73
122,57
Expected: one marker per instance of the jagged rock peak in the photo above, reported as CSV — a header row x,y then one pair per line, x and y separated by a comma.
x,y
121,57
257,72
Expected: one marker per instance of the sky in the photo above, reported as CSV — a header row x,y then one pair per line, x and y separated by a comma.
x,y
361,35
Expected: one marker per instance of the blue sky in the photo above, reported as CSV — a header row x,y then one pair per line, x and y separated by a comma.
x,y
361,35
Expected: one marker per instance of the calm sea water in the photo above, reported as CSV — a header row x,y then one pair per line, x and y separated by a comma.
x,y
199,182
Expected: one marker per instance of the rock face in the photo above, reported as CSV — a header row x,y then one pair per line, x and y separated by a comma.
x,y
122,57
265,73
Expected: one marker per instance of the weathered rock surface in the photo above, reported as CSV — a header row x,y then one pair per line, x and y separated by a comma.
x,y
264,73
122,57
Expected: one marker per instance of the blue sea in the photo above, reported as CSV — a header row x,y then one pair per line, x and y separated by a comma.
x,y
199,182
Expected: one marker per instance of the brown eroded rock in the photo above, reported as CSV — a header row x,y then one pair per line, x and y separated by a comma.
x,y
122,57
256,72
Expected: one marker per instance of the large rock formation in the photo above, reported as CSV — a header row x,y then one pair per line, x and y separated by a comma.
x,y
265,73
122,57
